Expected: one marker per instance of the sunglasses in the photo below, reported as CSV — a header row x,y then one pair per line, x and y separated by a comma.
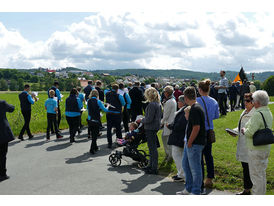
x,y
248,100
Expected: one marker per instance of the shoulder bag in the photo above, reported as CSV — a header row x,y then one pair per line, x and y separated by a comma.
x,y
210,133
263,136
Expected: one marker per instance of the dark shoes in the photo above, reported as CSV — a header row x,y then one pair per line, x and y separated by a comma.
x,y
110,145
21,138
2,178
59,136
72,140
150,171
245,192
177,179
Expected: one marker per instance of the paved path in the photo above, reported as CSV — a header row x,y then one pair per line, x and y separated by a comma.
x,y
37,167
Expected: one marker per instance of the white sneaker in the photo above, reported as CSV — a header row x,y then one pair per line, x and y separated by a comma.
x,y
183,192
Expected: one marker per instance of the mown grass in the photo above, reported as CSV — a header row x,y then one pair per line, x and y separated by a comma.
x,y
228,171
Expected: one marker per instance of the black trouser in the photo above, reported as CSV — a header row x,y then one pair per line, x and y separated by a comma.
x,y
152,139
27,116
93,128
52,122
222,103
73,123
126,119
233,101
80,122
247,181
242,101
207,153
3,158
58,121
81,119
135,112
114,120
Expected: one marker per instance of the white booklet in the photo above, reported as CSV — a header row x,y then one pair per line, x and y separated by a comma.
x,y
231,131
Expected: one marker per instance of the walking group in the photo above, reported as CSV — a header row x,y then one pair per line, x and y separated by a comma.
x,y
185,114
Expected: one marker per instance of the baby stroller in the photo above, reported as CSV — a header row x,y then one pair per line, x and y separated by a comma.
x,y
131,150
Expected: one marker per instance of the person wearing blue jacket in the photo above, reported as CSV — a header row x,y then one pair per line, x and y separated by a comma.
x,y
51,106
94,105
126,111
81,96
58,96
6,136
114,118
73,109
26,100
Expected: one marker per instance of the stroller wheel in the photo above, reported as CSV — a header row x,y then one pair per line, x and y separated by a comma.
x,y
144,159
114,160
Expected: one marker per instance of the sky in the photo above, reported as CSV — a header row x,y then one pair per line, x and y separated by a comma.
x,y
197,40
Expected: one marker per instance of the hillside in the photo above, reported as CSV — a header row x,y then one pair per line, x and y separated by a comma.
x,y
181,74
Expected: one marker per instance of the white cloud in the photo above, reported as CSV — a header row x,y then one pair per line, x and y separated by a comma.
x,y
195,41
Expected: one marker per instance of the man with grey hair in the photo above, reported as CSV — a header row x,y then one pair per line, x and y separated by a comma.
x,y
176,138
170,107
177,92
258,155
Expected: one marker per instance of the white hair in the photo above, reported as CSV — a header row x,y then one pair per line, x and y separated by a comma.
x,y
261,96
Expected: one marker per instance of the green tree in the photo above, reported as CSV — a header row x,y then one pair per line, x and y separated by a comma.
x,y
13,85
3,85
269,85
34,79
20,84
35,87
258,84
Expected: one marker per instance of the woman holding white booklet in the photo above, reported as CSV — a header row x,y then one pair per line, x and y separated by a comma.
x,y
242,154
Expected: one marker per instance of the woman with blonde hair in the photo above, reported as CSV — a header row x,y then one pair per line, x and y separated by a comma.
x,y
152,123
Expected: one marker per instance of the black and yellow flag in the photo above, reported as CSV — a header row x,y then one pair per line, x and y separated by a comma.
x,y
241,76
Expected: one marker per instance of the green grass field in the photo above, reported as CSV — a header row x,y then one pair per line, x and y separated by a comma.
x,y
228,171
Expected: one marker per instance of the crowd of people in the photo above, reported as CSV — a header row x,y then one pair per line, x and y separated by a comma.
x,y
185,114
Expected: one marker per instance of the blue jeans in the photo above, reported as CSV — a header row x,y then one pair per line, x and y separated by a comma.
x,y
193,168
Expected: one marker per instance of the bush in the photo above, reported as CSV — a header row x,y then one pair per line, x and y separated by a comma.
x,y
3,85
257,84
269,85
13,85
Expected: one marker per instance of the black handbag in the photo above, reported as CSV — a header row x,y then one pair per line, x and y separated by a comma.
x,y
210,133
264,136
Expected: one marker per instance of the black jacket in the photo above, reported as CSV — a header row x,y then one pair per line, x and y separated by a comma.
x,y
101,93
136,95
178,128
6,134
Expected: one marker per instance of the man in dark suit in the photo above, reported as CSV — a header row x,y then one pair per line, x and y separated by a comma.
x,y
98,85
26,100
232,92
114,117
6,136
88,89
137,97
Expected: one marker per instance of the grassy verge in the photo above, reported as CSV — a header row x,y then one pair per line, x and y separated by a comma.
x,y
228,171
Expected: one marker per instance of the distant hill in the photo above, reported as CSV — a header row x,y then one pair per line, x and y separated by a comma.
x,y
181,74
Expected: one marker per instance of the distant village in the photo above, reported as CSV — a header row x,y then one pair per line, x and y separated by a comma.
x,y
83,76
